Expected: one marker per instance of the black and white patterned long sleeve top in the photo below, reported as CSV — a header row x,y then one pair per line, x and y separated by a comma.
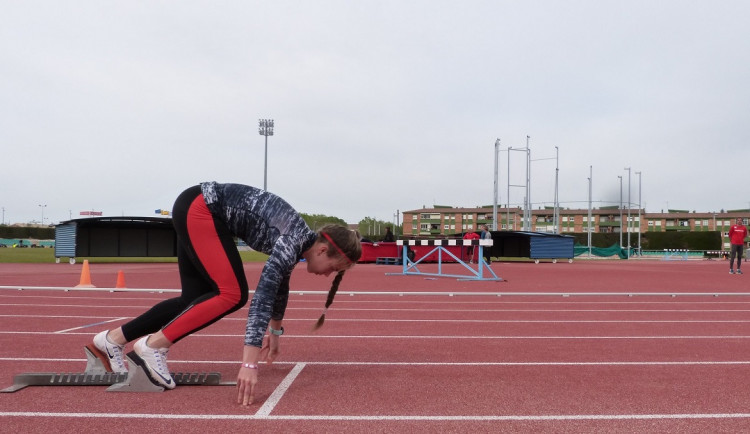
x,y
270,225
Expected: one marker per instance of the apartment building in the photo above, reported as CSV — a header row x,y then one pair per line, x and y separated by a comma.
x,y
449,221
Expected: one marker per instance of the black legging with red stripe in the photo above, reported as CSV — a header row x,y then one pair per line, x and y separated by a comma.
x,y
213,280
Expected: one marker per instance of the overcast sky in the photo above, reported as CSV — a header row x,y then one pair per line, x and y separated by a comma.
x,y
378,105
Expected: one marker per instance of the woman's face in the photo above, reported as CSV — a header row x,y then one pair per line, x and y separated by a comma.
x,y
322,264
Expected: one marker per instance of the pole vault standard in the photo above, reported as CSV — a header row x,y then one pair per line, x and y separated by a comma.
x,y
526,192
527,205
411,267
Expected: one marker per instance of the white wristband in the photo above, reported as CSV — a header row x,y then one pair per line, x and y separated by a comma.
x,y
249,366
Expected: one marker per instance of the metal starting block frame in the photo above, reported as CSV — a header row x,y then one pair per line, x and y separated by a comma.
x,y
410,267
136,379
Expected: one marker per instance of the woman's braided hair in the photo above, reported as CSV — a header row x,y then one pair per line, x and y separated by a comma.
x,y
344,242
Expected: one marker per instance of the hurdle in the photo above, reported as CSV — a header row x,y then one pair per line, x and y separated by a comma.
x,y
676,254
411,268
721,254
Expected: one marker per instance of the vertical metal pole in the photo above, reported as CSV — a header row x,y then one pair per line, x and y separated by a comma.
x,y
591,176
639,213
620,176
527,211
507,198
628,169
265,165
265,128
42,207
557,201
494,204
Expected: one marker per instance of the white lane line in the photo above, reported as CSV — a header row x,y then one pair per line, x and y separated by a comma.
x,y
256,416
293,374
91,325
281,389
434,320
422,310
393,337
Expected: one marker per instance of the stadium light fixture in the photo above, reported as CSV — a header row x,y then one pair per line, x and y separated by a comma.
x,y
265,128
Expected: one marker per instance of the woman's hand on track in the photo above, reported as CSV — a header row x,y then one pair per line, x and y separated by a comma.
x,y
246,380
270,350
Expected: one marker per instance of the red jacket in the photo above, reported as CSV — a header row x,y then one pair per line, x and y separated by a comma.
x,y
737,234
471,236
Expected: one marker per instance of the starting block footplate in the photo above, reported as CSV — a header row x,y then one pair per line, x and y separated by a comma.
x,y
135,380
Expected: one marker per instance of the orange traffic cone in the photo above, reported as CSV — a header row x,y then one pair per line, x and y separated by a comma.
x,y
85,276
120,280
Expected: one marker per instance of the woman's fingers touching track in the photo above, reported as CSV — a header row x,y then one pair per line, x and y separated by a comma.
x,y
246,386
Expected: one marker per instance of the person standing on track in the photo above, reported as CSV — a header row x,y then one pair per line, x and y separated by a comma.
x,y
207,218
486,251
470,249
737,235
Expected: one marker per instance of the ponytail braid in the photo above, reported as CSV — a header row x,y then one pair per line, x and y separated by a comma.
x,y
329,300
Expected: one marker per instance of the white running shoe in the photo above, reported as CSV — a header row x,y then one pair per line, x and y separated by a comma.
x,y
156,362
111,353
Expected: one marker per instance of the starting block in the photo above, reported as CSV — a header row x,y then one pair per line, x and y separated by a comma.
x,y
136,380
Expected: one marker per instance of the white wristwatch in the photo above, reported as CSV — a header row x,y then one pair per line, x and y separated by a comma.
x,y
276,332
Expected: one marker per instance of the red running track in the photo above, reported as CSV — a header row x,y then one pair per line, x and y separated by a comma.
x,y
569,361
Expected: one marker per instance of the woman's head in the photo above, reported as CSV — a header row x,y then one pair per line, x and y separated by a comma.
x,y
338,249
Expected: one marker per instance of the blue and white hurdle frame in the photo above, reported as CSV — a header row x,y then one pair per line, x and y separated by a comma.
x,y
676,254
411,267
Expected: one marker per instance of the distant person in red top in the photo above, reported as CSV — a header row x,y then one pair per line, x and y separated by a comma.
x,y
470,249
388,238
737,235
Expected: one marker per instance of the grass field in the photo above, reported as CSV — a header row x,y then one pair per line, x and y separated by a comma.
x,y
27,255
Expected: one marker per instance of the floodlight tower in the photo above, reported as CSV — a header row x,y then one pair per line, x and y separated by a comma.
x,y
265,128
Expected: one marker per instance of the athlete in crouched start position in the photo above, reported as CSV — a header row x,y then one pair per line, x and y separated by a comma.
x,y
206,218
